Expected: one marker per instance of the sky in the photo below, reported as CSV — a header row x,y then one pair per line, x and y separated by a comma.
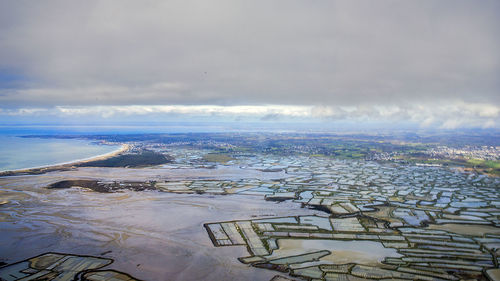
x,y
429,64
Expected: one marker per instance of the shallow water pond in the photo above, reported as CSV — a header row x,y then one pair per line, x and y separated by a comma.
x,y
362,252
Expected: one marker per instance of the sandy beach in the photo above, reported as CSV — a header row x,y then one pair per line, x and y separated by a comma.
x,y
66,165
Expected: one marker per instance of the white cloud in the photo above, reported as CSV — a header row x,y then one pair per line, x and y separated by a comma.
x,y
450,116
196,110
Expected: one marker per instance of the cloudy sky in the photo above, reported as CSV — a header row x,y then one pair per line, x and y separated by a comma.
x,y
429,63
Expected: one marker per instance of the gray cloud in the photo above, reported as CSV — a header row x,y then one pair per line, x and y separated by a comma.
x,y
331,53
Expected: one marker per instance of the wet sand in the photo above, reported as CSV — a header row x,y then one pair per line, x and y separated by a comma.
x,y
342,252
150,235
466,229
144,174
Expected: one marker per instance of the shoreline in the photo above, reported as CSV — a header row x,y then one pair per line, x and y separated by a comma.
x,y
65,165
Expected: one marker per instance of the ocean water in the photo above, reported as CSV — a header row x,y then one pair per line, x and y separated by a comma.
x,y
20,153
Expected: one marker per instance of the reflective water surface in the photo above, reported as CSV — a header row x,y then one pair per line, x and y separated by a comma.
x,y
150,235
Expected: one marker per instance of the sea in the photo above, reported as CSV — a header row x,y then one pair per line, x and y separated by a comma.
x,y
17,152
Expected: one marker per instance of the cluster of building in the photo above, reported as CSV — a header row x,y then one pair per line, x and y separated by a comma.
x,y
466,152
384,156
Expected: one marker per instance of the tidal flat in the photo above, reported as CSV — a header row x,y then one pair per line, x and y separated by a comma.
x,y
256,216
150,235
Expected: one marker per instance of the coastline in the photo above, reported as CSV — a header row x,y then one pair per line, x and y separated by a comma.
x,y
124,148
65,165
